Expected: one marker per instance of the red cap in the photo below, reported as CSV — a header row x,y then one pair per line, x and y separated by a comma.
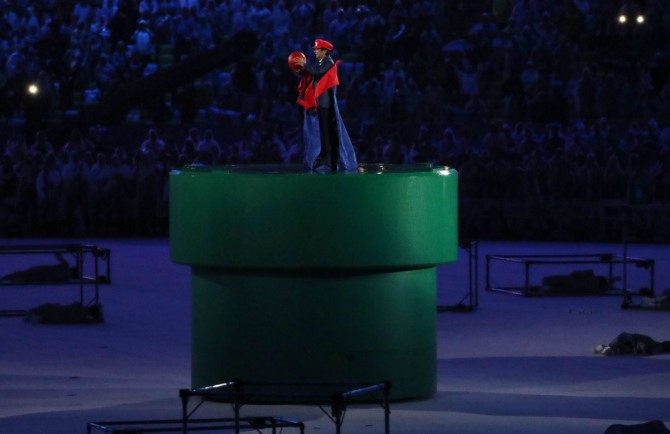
x,y
322,43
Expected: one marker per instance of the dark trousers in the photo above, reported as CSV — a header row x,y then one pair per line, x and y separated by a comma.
x,y
329,139
635,343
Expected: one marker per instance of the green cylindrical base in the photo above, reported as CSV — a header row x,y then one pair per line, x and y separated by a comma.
x,y
316,327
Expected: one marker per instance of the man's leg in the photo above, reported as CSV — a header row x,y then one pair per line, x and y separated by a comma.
x,y
329,139
334,142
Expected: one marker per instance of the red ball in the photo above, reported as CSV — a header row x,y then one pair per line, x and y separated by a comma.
x,y
292,60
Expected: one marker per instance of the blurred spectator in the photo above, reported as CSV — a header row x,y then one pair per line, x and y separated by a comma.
x,y
501,10
75,174
586,96
100,188
209,145
77,143
153,145
25,168
147,8
143,41
123,22
41,144
338,29
184,32
204,35
105,75
329,15
395,92
524,12
49,189
15,81
145,193
303,19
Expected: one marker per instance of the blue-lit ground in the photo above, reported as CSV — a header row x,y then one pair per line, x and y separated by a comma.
x,y
513,365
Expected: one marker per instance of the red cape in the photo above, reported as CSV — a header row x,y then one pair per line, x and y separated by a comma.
x,y
307,93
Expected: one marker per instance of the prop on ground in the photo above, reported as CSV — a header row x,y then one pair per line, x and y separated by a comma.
x,y
633,344
57,273
75,313
577,282
652,427
660,302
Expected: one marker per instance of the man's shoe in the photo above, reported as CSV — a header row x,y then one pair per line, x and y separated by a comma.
x,y
602,349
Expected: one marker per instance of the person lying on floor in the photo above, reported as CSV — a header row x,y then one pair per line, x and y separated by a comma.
x,y
661,302
74,313
651,427
57,273
633,343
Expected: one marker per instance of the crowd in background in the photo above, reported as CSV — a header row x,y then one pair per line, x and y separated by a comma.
x,y
553,112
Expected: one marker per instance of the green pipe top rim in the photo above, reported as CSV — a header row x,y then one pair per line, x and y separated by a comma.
x,y
299,169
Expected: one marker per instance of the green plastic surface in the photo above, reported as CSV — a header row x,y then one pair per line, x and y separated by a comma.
x,y
300,277
237,220
334,328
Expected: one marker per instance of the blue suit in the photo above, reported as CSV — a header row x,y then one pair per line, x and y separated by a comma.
x,y
323,126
